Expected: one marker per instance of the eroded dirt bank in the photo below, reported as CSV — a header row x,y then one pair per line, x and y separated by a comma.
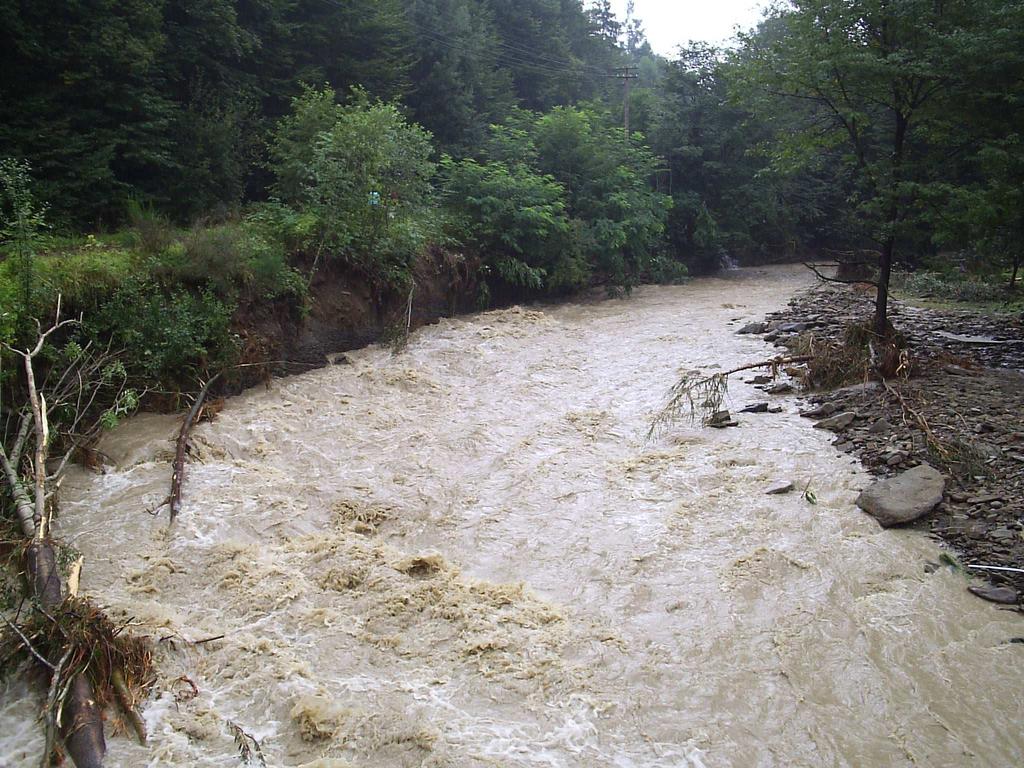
x,y
467,555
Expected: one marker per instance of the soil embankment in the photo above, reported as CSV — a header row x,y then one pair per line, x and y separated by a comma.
x,y
961,410
346,312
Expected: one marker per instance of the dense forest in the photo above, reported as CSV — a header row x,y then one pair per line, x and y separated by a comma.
x,y
168,161
175,172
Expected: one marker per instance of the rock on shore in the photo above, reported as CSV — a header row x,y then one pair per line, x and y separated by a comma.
x,y
904,498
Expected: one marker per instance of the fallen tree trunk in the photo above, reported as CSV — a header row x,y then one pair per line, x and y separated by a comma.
x,y
81,722
178,471
71,703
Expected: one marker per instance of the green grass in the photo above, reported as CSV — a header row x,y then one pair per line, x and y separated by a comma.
x,y
989,294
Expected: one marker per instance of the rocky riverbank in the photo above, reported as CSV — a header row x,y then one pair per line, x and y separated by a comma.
x,y
961,411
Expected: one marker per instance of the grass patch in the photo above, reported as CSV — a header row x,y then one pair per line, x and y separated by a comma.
x,y
945,291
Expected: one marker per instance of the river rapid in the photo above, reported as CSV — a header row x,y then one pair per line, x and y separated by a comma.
x,y
467,555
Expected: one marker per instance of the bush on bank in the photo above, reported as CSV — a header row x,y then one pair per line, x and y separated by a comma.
x,y
552,203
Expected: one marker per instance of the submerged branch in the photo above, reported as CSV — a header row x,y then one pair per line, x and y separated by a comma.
x,y
694,393
178,474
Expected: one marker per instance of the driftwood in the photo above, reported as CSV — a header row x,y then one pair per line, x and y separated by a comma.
x,y
124,697
71,704
71,708
81,722
847,273
694,393
178,472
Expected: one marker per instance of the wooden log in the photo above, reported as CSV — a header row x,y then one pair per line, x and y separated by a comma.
x,y
178,472
81,724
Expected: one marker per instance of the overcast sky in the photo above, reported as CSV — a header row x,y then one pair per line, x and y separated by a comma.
x,y
669,23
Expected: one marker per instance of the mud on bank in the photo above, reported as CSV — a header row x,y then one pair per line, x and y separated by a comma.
x,y
347,312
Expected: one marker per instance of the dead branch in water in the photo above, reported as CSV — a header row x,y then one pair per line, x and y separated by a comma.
x,y
124,698
694,393
249,749
178,473
71,703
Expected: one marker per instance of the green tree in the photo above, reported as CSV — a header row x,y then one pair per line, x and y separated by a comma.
x,y
360,170
874,79
458,88
515,219
80,99
22,220
603,19
608,182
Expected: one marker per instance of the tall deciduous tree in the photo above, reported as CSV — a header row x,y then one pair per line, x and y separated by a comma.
x,y
874,78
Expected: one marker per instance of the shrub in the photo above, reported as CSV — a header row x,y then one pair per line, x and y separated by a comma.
x,y
351,179
168,337
230,258
622,218
515,219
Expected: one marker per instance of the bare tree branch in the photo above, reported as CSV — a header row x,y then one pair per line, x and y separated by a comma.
x,y
827,279
25,641
178,473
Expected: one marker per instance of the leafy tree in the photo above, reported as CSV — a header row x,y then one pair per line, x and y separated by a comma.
x,y
982,207
727,197
515,219
362,172
875,80
620,216
22,219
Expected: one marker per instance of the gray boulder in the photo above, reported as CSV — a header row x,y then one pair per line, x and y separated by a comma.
x,y
903,498
1004,595
825,409
838,422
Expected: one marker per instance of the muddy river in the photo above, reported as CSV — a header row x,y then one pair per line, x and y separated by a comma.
x,y
467,555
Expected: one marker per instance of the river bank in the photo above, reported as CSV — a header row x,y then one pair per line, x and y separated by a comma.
x,y
961,410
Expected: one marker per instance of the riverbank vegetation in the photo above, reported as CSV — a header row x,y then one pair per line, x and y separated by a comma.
x,y
188,160
171,170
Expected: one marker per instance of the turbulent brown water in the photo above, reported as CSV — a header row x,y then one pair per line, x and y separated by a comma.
x,y
466,555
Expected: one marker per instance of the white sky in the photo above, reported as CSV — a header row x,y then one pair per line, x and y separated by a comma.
x,y
669,23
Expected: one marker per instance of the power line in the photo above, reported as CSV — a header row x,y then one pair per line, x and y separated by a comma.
x,y
627,75
526,52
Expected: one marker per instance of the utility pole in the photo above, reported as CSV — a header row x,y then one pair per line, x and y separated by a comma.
x,y
627,75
